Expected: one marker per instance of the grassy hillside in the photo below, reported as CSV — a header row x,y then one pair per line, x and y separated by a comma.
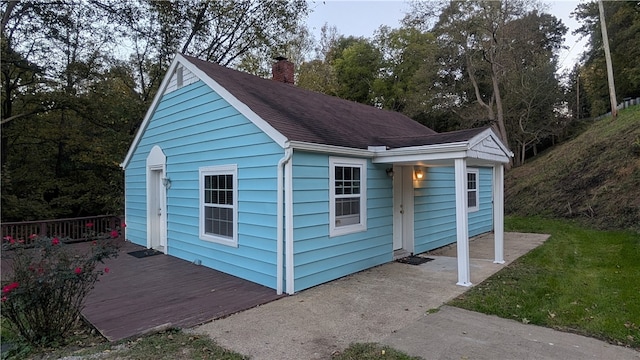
x,y
594,178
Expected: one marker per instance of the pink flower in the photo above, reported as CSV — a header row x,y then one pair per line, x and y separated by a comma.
x,y
114,234
4,298
8,238
78,270
55,241
106,270
9,288
123,225
89,224
32,236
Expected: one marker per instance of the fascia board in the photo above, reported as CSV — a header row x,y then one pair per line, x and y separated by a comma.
x,y
418,157
427,149
330,149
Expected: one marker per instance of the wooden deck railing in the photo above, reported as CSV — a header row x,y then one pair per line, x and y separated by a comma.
x,y
71,230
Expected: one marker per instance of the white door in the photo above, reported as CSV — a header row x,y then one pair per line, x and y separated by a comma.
x,y
403,208
156,210
156,200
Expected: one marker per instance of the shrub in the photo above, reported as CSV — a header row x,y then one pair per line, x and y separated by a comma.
x,y
44,293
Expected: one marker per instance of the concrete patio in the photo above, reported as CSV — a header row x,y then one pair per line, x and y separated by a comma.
x,y
368,306
390,304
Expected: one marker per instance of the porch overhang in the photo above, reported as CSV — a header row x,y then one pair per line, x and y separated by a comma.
x,y
483,149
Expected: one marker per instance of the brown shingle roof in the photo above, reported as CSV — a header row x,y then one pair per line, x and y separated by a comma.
x,y
433,139
308,116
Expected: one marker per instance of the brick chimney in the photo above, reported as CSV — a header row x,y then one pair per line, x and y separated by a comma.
x,y
282,70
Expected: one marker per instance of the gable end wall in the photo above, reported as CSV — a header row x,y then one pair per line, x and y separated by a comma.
x,y
195,128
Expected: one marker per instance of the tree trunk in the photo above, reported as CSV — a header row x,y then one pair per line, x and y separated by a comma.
x,y
499,110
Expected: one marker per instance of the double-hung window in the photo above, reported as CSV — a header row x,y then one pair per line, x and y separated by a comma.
x,y
348,200
219,204
473,203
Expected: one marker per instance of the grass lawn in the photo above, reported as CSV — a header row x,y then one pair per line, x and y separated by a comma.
x,y
580,280
170,344
371,351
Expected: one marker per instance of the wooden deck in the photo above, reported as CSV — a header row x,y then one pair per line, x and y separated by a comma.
x,y
139,295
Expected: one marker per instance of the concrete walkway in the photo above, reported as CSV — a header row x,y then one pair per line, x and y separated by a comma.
x,y
388,304
454,333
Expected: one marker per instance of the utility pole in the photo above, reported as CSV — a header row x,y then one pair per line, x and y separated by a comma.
x,y
578,95
607,55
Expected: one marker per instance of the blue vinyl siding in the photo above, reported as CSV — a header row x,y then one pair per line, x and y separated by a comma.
x,y
435,208
319,258
195,127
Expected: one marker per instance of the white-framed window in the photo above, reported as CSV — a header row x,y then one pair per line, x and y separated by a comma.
x,y
473,198
219,204
348,195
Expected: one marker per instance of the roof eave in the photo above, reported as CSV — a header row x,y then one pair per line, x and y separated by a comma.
x,y
330,149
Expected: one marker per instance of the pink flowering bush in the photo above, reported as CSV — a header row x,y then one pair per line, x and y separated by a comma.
x,y
44,293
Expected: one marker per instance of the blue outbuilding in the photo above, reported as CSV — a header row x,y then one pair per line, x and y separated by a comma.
x,y
290,188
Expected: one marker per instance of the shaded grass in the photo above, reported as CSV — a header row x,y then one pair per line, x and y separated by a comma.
x,y
580,280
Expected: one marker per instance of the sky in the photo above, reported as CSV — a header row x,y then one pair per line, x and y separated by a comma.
x,y
364,17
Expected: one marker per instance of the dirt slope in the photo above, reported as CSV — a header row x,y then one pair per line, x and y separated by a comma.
x,y
594,177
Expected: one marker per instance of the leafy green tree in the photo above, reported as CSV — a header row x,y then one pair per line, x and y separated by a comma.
x,y
534,91
78,77
53,55
319,76
623,27
495,65
408,55
222,31
348,69
295,46
356,68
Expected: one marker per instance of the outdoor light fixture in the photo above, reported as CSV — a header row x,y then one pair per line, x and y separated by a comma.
x,y
389,172
419,174
166,182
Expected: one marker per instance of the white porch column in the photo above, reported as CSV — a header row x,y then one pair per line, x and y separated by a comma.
x,y
498,213
462,222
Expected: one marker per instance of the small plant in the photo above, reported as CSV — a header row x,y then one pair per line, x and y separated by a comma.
x,y
44,293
